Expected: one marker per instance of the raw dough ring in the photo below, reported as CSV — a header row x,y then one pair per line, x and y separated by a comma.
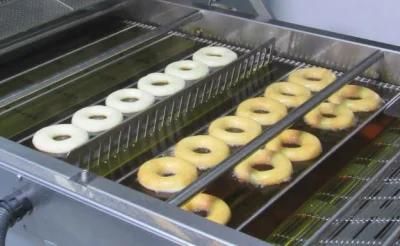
x,y
290,94
281,171
307,146
161,84
96,119
203,151
217,210
234,130
187,70
59,139
166,174
263,110
214,56
329,116
130,100
357,98
314,78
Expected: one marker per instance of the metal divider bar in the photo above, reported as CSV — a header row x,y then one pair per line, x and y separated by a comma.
x,y
350,202
143,39
176,107
240,155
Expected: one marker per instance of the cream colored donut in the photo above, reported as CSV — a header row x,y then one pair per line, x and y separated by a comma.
x,y
96,119
59,139
290,94
166,174
307,146
216,209
234,130
161,84
214,56
187,70
130,100
329,116
202,150
314,78
357,98
263,110
281,171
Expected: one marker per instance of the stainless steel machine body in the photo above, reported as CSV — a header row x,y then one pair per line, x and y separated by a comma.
x,y
74,206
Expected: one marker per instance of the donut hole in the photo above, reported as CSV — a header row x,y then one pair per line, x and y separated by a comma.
x,y
129,99
353,98
290,145
312,78
234,130
201,212
185,68
328,115
160,83
260,111
213,54
286,93
262,167
166,174
97,117
202,150
61,137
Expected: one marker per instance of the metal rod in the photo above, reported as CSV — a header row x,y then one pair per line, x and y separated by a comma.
x,y
350,202
143,39
232,160
393,237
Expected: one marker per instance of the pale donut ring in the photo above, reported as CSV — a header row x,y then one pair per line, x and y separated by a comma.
x,y
357,98
281,171
130,100
308,146
217,210
290,94
166,174
320,117
96,119
161,84
187,70
214,56
234,130
203,151
314,78
263,110
59,139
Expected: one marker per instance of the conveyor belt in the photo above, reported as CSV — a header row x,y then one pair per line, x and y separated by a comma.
x,y
339,189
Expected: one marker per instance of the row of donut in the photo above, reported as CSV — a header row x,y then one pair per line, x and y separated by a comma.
x,y
172,174
62,138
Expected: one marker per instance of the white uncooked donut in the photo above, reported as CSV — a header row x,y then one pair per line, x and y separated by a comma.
x,y
215,56
161,84
187,70
59,139
96,119
130,100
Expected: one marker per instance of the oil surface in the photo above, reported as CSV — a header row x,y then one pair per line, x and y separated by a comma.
x,y
75,92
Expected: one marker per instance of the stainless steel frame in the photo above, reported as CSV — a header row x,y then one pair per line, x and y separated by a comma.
x,y
72,208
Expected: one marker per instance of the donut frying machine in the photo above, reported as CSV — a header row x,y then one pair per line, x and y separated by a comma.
x,y
348,195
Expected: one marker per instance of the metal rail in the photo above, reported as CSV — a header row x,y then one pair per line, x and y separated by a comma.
x,y
357,196
228,163
154,120
141,40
